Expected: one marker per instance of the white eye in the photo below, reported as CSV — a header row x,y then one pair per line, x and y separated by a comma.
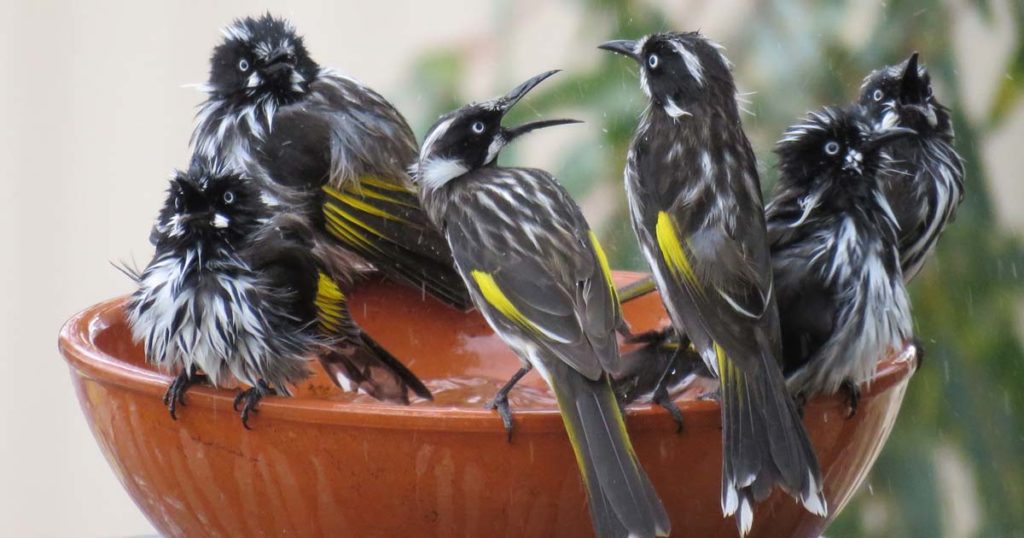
x,y
652,61
877,96
178,204
229,197
832,148
243,65
478,127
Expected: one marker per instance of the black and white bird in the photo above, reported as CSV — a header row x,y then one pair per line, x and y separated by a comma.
x,y
327,147
695,201
234,293
834,252
538,275
925,181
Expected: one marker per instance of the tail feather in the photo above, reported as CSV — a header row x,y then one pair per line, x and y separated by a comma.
x,y
765,444
621,498
360,363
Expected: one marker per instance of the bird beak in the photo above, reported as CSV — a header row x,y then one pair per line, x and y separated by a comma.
x,y
880,138
279,60
509,100
511,134
911,85
624,47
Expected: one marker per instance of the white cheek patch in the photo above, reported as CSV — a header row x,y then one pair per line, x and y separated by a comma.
x,y
254,81
672,109
220,221
494,148
434,173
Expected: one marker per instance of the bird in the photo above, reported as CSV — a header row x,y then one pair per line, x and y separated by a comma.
x,y
324,146
924,183
539,277
695,204
835,256
662,362
234,293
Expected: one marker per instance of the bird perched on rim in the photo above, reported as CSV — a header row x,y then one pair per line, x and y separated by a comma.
x,y
695,202
925,180
834,252
538,275
327,147
643,369
234,291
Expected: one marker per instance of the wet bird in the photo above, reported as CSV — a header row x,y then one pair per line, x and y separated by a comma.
x,y
536,272
324,146
644,368
834,252
234,293
695,201
925,180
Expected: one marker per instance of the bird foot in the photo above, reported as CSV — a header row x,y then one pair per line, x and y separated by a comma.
x,y
500,404
662,398
175,394
249,399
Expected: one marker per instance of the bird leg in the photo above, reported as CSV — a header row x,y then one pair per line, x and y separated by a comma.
x,y
646,337
664,399
500,401
852,396
250,398
175,394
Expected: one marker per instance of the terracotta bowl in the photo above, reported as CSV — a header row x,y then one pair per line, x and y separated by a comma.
x,y
327,463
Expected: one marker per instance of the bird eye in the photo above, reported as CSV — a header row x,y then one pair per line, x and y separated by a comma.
x,y
652,61
178,204
478,127
832,148
877,96
229,197
243,65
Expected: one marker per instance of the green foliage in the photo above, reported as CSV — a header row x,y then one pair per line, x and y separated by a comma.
x,y
967,301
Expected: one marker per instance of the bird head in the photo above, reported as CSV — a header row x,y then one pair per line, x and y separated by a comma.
x,y
260,60
210,204
902,94
682,73
472,136
837,146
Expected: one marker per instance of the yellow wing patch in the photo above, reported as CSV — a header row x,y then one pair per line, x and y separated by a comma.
x,y
605,268
330,304
729,375
673,250
361,205
497,298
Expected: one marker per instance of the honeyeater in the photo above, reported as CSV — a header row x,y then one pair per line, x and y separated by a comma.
x,y
924,182
536,272
326,147
835,258
695,201
233,292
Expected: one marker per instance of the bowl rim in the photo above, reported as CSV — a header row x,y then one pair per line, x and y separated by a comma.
x,y
77,343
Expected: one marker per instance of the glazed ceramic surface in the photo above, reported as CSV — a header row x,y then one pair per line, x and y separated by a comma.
x,y
328,463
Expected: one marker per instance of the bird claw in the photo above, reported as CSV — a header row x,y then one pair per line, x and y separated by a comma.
x,y
249,399
500,404
918,353
852,397
662,398
800,402
175,394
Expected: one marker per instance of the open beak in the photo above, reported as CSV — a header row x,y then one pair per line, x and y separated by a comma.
x,y
509,100
625,47
888,135
511,134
